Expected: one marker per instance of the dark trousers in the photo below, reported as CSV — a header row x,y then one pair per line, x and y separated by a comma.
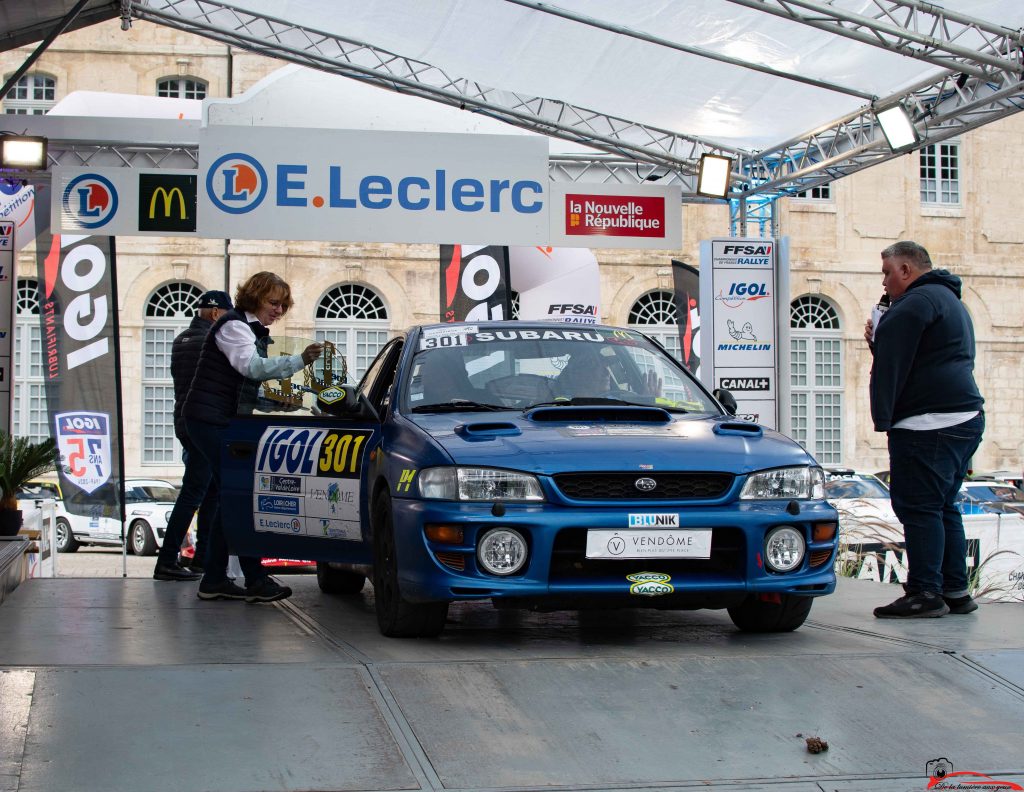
x,y
926,471
207,440
196,493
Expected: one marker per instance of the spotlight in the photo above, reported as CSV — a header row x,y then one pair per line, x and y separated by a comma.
x,y
899,131
20,152
713,175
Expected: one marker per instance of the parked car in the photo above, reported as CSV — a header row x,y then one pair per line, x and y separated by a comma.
x,y
468,464
1002,476
864,505
148,503
990,496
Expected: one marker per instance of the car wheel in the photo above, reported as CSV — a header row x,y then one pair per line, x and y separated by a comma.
x,y
338,581
141,540
396,617
758,615
66,542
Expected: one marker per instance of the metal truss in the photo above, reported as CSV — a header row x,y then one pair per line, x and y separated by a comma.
x,y
122,155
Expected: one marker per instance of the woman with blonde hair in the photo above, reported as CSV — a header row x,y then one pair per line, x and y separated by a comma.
x,y
230,369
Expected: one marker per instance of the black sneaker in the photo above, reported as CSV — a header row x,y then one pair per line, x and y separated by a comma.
x,y
920,605
266,589
226,589
174,571
962,604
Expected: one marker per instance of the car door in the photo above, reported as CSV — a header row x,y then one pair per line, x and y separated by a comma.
x,y
296,485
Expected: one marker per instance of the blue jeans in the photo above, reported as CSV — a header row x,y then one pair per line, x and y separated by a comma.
x,y
926,471
196,493
207,440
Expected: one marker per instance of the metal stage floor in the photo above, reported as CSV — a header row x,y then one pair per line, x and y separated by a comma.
x,y
133,685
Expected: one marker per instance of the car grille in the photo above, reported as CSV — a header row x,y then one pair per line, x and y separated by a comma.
x,y
569,558
622,486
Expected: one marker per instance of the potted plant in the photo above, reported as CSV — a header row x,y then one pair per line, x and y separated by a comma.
x,y
21,460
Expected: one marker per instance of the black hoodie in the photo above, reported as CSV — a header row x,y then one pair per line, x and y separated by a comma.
x,y
924,354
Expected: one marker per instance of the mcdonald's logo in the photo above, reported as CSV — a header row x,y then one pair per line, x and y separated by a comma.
x,y
167,202
168,197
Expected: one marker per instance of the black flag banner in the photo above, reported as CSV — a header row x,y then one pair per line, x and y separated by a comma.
x,y
81,354
475,283
686,281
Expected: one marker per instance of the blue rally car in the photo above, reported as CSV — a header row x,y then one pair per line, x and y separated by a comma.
x,y
542,466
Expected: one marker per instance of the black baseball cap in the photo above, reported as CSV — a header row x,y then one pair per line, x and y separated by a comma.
x,y
215,299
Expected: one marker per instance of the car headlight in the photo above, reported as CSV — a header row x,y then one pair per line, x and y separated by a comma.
x,y
502,551
795,482
478,484
784,549
167,516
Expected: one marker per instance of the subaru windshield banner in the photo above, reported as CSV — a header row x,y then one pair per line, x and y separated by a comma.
x,y
360,186
80,351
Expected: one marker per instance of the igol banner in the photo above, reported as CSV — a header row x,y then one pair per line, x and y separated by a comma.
x,y
475,283
81,355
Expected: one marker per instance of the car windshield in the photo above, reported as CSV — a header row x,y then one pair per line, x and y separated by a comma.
x,y
465,367
839,488
137,493
996,492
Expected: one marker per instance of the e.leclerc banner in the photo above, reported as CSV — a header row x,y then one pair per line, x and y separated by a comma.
x,y
474,283
81,364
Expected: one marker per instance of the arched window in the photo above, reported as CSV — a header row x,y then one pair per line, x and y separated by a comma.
x,y
816,376
354,319
30,416
33,94
169,310
181,87
655,315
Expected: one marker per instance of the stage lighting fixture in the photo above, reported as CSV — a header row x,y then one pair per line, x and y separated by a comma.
x,y
21,152
897,127
713,175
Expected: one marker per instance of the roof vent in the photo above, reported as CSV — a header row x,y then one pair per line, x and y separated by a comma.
x,y
600,414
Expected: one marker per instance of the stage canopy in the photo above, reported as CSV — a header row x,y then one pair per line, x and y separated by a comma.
x,y
788,89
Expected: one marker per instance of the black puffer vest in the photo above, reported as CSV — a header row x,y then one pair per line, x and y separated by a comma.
x,y
184,362
217,388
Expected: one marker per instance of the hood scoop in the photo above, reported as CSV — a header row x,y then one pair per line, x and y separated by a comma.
x,y
741,428
600,414
487,430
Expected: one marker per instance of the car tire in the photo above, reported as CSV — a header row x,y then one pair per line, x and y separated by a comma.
x,y
140,539
396,617
332,580
757,615
66,542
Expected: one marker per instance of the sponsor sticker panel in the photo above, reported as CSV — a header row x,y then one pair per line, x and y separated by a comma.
x,y
307,481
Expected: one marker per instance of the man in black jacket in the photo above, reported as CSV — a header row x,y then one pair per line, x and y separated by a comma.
x,y
923,394
197,490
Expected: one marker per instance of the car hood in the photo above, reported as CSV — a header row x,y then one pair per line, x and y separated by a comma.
x,y
580,439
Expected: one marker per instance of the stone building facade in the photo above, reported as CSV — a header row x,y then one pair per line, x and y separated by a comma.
x,y
954,198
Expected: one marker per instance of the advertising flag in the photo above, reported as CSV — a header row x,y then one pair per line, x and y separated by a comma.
x,y
556,284
474,283
81,356
686,286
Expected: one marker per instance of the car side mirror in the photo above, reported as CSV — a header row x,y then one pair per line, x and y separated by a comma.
x,y
346,401
726,399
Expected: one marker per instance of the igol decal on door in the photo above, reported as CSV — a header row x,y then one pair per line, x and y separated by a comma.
x,y
307,481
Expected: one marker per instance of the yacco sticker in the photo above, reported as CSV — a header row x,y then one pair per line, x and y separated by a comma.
x,y
331,395
650,584
654,520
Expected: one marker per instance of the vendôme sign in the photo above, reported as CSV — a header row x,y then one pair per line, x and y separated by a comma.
x,y
358,186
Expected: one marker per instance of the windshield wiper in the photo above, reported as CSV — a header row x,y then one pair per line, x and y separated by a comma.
x,y
458,405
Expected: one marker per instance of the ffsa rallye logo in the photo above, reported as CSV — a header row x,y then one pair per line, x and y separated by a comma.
x,y
238,183
88,201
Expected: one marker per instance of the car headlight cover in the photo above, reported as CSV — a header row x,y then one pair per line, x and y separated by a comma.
x,y
502,551
788,483
479,484
784,549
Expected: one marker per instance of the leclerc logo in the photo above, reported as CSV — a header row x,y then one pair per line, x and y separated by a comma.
x,y
89,201
236,183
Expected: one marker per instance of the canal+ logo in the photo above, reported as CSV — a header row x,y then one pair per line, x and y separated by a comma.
x,y
236,183
89,201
